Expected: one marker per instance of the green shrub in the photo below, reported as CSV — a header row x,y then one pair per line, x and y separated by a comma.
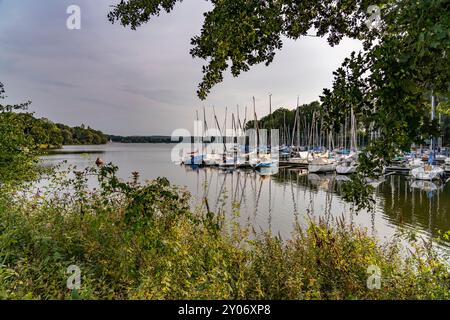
x,y
134,241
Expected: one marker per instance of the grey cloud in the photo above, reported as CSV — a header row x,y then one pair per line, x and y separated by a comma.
x,y
166,96
139,82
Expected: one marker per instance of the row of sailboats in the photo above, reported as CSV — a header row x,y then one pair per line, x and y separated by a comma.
x,y
216,150
345,161
318,158
306,144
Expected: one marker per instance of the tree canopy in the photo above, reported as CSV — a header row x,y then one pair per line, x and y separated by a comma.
x,y
241,33
389,85
22,138
47,134
17,156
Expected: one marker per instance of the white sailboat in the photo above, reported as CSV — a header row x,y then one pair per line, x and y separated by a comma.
x,y
303,158
322,164
211,159
348,164
429,171
263,161
262,158
415,163
192,158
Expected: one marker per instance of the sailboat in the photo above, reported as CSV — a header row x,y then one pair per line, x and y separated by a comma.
x,y
211,158
192,158
429,171
414,162
323,159
349,163
266,159
322,163
303,157
299,157
230,158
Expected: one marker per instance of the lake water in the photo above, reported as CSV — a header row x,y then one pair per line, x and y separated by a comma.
x,y
275,202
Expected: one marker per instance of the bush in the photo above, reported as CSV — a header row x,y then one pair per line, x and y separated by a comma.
x,y
142,241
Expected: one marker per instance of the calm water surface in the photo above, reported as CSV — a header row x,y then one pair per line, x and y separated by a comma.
x,y
276,202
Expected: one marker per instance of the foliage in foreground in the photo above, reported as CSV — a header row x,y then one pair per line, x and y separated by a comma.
x,y
136,241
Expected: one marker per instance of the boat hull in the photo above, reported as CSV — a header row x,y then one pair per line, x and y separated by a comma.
x,y
345,169
298,161
209,162
313,168
268,164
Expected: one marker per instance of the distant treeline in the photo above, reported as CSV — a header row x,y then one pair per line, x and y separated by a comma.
x,y
141,139
286,117
47,134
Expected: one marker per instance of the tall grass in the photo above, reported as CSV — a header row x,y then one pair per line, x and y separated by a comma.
x,y
134,241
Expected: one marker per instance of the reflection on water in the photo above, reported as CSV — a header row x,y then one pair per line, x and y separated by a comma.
x,y
275,200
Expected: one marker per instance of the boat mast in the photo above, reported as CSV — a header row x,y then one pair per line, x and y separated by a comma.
x,y
220,131
205,128
238,118
245,118
298,123
284,129
225,128
433,110
271,122
256,126
197,138
295,124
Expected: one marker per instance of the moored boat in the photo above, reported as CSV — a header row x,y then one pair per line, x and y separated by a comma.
x,y
192,158
347,166
320,164
427,172
263,161
212,159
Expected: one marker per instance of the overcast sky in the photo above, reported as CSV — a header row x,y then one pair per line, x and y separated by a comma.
x,y
140,82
